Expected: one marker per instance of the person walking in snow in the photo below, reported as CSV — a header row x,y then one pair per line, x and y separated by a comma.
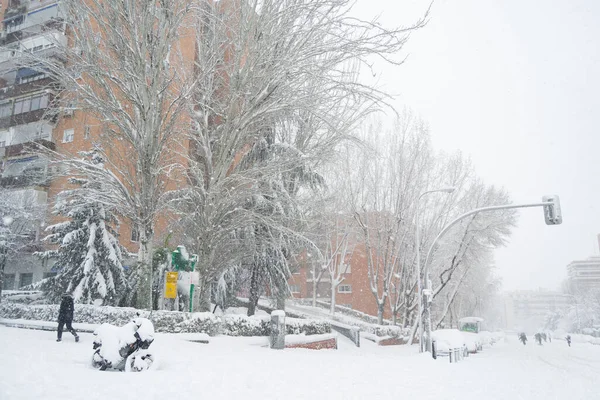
x,y
523,337
65,316
569,340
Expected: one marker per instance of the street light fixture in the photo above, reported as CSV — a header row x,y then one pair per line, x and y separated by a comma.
x,y
552,215
419,284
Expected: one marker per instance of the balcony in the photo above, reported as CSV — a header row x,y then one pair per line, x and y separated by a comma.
x,y
19,89
46,45
21,113
53,25
25,172
20,17
16,150
22,119
17,139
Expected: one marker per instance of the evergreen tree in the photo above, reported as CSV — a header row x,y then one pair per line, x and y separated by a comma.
x,y
89,256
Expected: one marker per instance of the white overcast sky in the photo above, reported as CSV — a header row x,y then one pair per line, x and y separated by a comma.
x,y
515,86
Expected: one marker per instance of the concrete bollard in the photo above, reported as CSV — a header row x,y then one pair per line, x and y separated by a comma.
x,y
277,337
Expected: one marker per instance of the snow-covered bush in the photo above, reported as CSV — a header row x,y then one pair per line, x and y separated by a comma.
x,y
166,321
241,325
296,326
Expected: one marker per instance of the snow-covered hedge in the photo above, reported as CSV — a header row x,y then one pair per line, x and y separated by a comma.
x,y
297,326
21,296
241,325
166,321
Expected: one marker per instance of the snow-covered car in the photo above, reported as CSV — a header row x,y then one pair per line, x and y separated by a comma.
x,y
472,341
448,339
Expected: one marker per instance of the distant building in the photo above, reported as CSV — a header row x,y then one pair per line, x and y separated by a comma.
x,y
354,292
584,275
527,309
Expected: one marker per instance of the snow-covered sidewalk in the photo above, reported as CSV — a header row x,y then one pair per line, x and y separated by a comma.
x,y
34,366
44,325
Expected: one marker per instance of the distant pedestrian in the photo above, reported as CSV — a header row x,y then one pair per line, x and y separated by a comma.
x,y
544,337
65,316
538,338
523,338
569,340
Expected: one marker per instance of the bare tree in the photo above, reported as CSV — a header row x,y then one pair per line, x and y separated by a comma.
x,y
125,70
20,218
277,91
384,194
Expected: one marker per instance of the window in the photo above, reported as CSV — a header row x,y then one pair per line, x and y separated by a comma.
x,y
31,78
345,289
39,102
346,268
135,235
26,279
15,23
31,104
68,135
9,282
86,132
5,109
26,105
295,288
18,107
35,103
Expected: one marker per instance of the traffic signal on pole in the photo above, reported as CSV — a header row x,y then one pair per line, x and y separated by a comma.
x,y
552,213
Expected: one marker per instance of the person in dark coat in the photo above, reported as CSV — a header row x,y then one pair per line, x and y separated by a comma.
x,y
65,316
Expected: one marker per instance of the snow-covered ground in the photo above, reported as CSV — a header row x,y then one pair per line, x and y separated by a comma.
x,y
34,366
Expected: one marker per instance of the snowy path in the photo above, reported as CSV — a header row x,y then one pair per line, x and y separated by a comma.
x,y
34,366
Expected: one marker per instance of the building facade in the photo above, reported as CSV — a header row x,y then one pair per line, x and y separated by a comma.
x,y
33,27
527,310
583,275
30,114
353,292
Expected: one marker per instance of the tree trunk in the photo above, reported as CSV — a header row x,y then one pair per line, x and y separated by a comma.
x,y
380,308
280,301
3,256
2,265
202,298
254,290
332,306
413,332
314,284
144,271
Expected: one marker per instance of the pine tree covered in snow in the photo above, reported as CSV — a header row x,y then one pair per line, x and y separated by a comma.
x,y
88,257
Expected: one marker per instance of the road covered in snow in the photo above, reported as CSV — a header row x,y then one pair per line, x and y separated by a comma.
x,y
34,366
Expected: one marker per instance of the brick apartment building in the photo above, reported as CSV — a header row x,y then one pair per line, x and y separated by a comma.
x,y
36,26
354,292
26,96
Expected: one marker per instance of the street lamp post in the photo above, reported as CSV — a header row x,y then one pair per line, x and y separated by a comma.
x,y
417,245
551,214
